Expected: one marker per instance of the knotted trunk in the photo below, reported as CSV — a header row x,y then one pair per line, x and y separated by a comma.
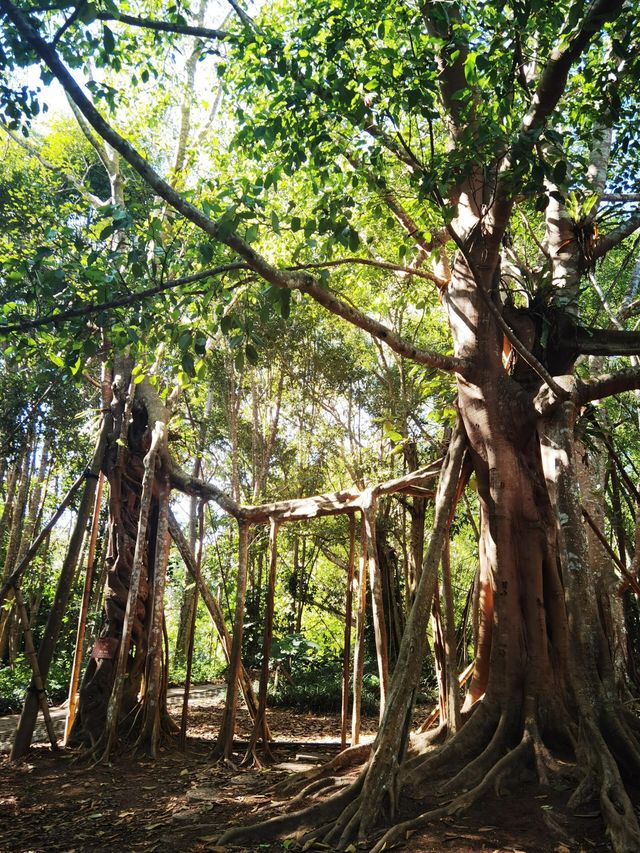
x,y
124,469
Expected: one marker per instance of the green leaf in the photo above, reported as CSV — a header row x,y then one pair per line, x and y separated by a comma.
x,y
88,13
559,171
108,40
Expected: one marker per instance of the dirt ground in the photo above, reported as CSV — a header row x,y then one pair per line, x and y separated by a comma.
x,y
183,802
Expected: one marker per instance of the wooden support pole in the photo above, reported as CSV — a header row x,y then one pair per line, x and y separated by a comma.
x,y
259,728
224,744
184,719
35,669
358,655
379,621
451,675
84,608
215,611
438,651
346,650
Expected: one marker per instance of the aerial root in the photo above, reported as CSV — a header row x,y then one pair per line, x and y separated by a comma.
x,y
505,765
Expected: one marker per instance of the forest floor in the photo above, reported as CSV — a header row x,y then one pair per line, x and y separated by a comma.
x,y
183,802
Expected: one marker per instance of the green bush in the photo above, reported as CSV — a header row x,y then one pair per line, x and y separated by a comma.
x,y
15,680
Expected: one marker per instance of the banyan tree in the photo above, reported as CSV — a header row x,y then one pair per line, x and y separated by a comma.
x,y
495,143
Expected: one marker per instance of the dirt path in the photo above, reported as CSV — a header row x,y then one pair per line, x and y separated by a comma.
x,y
213,693
183,802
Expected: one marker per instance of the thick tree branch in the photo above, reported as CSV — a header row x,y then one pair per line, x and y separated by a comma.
x,y
608,385
605,342
284,279
620,198
551,87
615,237
165,26
206,491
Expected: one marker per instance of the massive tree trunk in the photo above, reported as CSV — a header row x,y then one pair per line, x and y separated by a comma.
x,y
124,469
542,672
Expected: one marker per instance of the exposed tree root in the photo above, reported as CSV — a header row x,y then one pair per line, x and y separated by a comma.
x,y
349,757
313,788
493,778
300,822
483,748
617,810
469,742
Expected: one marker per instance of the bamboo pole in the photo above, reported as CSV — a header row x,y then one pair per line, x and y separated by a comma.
x,y
346,652
33,661
15,577
184,719
215,611
24,730
84,608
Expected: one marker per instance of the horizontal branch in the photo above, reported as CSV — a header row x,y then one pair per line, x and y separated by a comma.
x,y
219,231
615,237
134,298
121,302
164,26
620,198
337,503
199,488
606,342
608,385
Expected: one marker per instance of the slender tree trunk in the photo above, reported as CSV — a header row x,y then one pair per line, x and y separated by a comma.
x,y
24,731
153,699
358,654
224,744
346,649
